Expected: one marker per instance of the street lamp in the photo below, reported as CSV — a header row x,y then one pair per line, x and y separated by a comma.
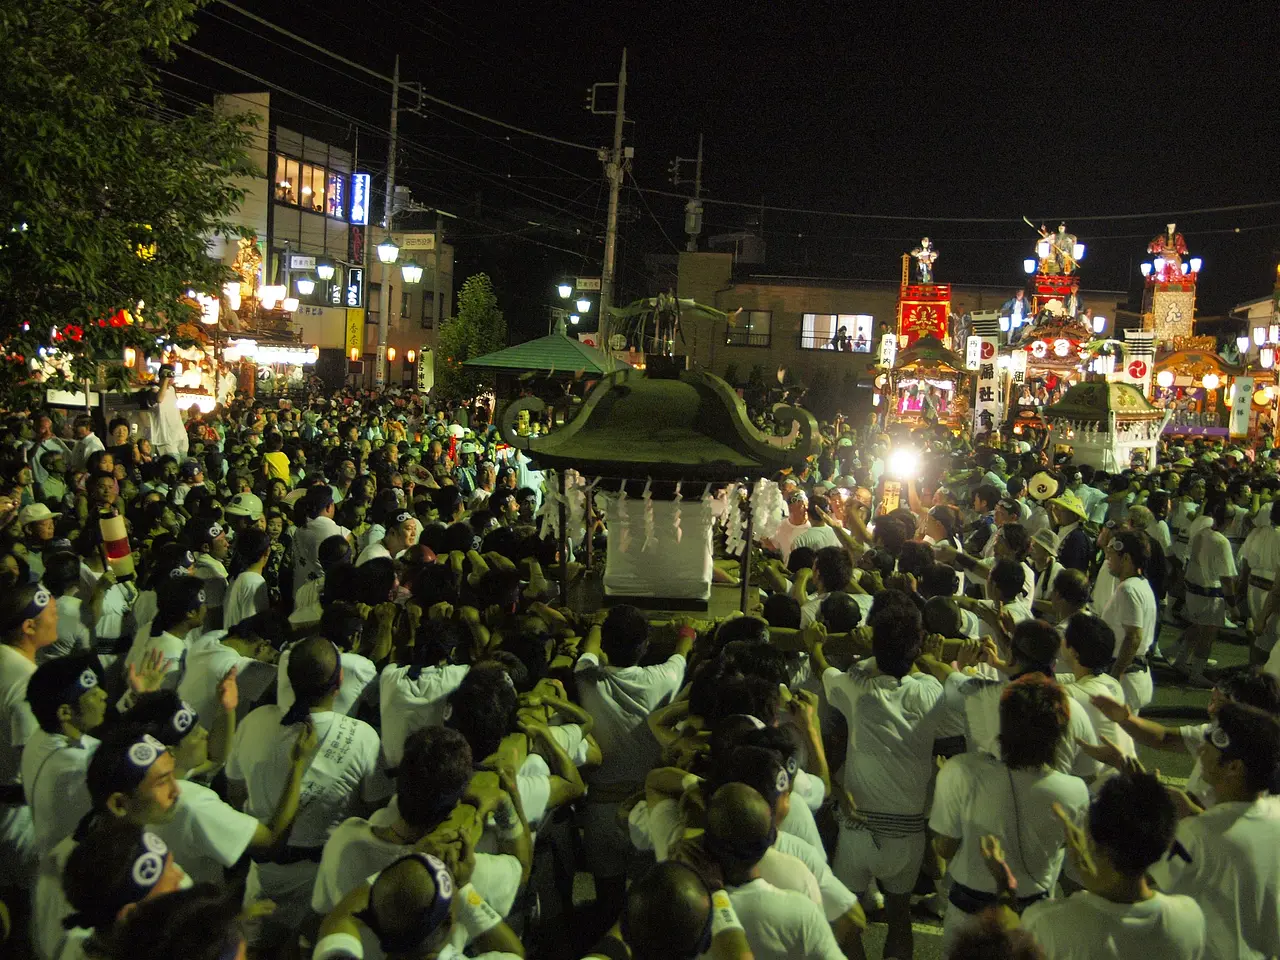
x,y
1146,268
1196,264
391,354
355,354
1099,324
584,305
565,290
306,285
1029,266
325,270
410,357
1242,344
1259,335
411,270
1210,381
574,318
290,304
388,251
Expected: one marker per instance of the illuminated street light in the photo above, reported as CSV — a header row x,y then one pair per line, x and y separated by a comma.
x,y
584,305
306,285
411,270
325,270
388,251
565,290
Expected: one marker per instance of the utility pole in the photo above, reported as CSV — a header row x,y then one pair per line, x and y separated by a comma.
x,y
437,309
613,166
692,209
384,316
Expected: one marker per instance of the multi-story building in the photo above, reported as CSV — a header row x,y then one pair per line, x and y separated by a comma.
x,y
313,210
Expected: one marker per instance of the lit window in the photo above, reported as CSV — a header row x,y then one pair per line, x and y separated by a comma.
x,y
287,180
846,332
752,329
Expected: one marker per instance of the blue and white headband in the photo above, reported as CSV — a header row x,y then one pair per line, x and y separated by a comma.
x,y
150,856
32,610
77,688
428,921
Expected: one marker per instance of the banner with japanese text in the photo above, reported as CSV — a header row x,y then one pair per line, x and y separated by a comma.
x,y
986,407
1241,405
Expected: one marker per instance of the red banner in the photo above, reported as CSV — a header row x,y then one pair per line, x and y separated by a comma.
x,y
923,318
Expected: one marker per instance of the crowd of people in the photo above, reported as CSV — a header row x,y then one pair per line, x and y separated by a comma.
x,y
299,682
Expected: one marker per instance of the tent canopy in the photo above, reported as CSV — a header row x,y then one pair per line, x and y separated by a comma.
x,y
556,353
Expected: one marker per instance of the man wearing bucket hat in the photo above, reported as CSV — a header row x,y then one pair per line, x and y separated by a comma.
x,y
1075,548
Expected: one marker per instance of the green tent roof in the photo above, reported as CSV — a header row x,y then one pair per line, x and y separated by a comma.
x,y
554,353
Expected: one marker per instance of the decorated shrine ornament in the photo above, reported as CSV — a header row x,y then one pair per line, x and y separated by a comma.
x,y
1043,486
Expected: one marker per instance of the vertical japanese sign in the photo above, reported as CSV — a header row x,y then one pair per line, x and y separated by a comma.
x,y
1017,370
986,408
1140,359
355,332
973,353
1241,404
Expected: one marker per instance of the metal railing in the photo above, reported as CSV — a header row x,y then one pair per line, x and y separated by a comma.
x,y
746,338
808,341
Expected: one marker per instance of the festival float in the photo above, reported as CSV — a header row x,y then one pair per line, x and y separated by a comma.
x,y
1107,424
926,385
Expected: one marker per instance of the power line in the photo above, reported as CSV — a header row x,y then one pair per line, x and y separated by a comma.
x,y
773,208
383,77
649,209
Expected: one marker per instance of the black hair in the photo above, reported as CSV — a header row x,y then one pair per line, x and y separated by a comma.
x,y
175,600
155,710
1136,544
1033,718
1092,639
1073,586
1255,741
988,493
1035,643
750,695
818,504
202,922
251,544
1017,539
781,610
757,658
376,579
889,534
834,568
939,580
1255,687
437,766
459,536
333,550
101,862
1133,819
839,612
895,634
624,635
740,630
942,616
757,767
101,777
341,624
61,572
916,557
801,559
314,670
49,686
1009,577
483,708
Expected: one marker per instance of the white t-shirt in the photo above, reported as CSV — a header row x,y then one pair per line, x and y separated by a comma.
x,y
892,725
978,699
782,924
1100,684
373,552
206,833
73,635
306,548
53,781
1086,926
1209,558
409,705
247,596
208,660
1193,738
815,538
785,536
978,795
1158,531
213,575
1233,875
1133,605
346,768
357,673
620,699
1104,588
17,722
1262,552
353,854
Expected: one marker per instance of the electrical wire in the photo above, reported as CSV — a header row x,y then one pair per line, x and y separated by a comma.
x,y
383,77
644,201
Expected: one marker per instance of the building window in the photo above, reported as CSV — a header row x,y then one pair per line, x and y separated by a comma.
x,y
849,332
405,304
752,329
374,299
428,315
309,187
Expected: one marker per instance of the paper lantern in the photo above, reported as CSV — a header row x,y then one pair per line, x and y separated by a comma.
x,y
1164,379
1210,381
115,544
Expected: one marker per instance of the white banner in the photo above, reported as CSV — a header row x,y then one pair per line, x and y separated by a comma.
x,y
1140,360
1241,401
986,408
973,353
426,370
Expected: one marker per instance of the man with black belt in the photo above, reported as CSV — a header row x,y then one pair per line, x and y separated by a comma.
x,y
1132,614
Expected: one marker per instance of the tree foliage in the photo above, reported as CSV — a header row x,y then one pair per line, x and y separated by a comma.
x,y
109,197
478,328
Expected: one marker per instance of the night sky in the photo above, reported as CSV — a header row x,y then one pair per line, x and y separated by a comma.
x,y
1080,112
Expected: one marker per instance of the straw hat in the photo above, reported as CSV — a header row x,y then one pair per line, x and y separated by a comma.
x,y
1070,502
1046,540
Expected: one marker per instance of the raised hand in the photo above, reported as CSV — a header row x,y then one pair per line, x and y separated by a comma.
x,y
151,673
229,691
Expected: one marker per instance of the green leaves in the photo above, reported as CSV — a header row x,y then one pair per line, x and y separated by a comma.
x,y
97,167
477,329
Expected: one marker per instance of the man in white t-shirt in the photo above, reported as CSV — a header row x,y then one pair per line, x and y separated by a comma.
x,y
345,628
1132,614
413,696
432,781
401,533
1117,915
209,543
1259,566
245,648
893,716
1210,581
1225,857
346,771
1012,798
819,534
28,624
317,504
778,923
68,702
1088,650
793,524
620,697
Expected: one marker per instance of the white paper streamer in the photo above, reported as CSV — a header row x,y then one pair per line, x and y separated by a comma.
x,y
678,498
